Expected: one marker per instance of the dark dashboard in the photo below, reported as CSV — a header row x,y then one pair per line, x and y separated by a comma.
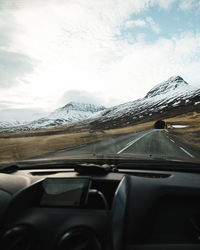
x,y
128,209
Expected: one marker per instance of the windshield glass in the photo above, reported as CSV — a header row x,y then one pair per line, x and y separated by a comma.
x,y
99,79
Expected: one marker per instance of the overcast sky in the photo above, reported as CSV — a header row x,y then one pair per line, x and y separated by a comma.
x,y
99,51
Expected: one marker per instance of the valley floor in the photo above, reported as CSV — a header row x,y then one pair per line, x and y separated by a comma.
x,y
23,145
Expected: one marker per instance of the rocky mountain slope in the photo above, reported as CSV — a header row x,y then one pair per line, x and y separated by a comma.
x,y
72,112
167,99
5,124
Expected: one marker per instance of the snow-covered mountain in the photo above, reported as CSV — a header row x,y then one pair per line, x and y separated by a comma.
x,y
4,125
174,84
167,99
72,112
16,117
75,111
171,97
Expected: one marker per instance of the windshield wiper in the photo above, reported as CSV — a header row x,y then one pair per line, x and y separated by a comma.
x,y
105,165
81,168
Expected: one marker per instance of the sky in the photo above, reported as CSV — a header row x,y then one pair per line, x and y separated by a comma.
x,y
104,52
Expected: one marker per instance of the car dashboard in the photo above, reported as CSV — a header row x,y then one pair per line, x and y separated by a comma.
x,y
140,210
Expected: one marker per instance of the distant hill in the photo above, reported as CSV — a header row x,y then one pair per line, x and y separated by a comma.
x,y
72,112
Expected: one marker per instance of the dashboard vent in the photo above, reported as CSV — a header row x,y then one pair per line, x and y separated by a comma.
x,y
44,173
21,237
79,238
150,175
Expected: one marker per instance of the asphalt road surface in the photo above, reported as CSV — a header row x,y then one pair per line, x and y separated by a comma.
x,y
154,143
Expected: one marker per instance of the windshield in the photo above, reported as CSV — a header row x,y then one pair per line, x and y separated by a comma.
x,y
99,79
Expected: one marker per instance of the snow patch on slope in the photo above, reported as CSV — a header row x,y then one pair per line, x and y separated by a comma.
x,y
72,112
173,84
163,98
171,93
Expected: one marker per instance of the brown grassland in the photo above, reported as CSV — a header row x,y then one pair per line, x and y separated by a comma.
x,y
189,135
12,149
22,145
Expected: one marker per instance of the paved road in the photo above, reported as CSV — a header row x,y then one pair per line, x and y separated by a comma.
x,y
155,143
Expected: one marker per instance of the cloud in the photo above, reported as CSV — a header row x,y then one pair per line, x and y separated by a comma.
x,y
7,28
165,4
13,66
148,22
8,104
77,46
80,96
148,64
23,115
135,23
88,97
189,4
154,26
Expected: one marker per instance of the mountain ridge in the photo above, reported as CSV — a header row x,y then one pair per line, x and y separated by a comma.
x,y
172,84
71,112
173,96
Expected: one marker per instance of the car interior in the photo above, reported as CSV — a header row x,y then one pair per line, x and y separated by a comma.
x,y
99,207
99,125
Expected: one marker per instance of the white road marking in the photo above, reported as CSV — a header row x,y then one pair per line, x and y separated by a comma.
x,y
172,140
129,143
132,142
187,152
